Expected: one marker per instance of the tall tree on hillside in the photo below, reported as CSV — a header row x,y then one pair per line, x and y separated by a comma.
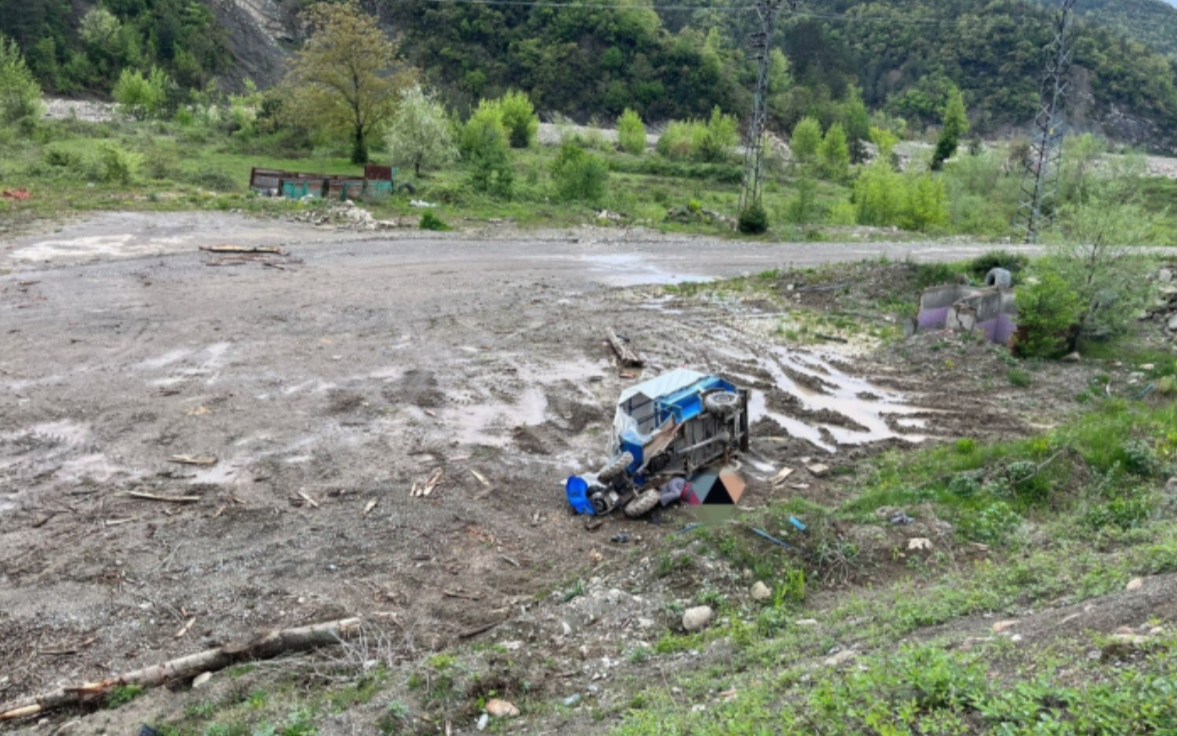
x,y
20,95
956,126
347,77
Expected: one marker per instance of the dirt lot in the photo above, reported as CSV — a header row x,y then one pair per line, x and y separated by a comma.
x,y
332,378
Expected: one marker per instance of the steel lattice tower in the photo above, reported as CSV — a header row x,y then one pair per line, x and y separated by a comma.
x,y
1040,180
761,43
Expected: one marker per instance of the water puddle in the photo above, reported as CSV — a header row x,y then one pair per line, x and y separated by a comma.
x,y
491,424
821,388
632,269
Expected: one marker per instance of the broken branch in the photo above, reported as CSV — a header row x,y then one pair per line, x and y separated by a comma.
x,y
154,497
266,646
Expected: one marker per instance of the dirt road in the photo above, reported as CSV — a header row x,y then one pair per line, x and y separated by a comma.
x,y
325,382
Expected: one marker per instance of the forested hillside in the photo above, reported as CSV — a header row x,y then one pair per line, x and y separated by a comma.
x,y
898,56
83,47
1153,22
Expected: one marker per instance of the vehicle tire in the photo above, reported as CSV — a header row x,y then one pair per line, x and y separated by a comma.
x,y
999,277
407,187
722,402
616,468
644,503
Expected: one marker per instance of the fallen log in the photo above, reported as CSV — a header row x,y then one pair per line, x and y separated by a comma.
x,y
627,355
266,646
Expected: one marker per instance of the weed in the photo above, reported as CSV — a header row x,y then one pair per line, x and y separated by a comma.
x,y
430,221
122,694
576,591
1020,378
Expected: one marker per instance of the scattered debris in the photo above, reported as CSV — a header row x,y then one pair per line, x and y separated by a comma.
x,y
1001,626
184,629
420,203
967,308
781,477
201,679
20,195
1135,584
267,646
270,249
765,535
760,591
369,506
501,708
422,489
919,543
310,501
480,477
627,355
818,470
153,497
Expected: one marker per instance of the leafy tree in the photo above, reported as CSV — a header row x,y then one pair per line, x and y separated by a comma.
x,y
1047,312
1094,251
802,209
519,119
631,132
420,132
345,79
141,96
856,120
488,115
885,142
675,141
956,126
490,158
716,141
834,152
579,176
806,139
20,95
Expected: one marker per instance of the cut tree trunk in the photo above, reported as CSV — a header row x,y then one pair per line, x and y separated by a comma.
x,y
266,646
628,356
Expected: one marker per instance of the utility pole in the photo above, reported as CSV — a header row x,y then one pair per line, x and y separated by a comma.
x,y
761,43
1040,180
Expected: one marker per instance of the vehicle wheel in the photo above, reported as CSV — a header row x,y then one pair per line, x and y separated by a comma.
x,y
999,277
722,402
643,504
615,468
407,187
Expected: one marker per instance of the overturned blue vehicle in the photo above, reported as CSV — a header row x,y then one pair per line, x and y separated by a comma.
x,y
664,428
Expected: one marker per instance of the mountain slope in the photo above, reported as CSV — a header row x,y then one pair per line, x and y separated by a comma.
x,y
1153,22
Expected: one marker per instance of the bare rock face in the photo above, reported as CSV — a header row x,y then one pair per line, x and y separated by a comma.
x,y
257,30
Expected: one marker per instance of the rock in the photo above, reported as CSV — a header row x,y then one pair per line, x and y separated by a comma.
x,y
843,656
818,470
1125,631
1073,357
200,679
806,622
1165,275
501,708
482,721
1135,584
1001,626
572,700
697,619
1016,638
760,592
1173,323
1147,367
918,543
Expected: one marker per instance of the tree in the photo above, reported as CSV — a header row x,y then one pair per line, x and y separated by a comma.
x,y
856,120
139,96
484,144
834,152
806,139
519,118
631,133
579,176
956,126
20,95
420,132
346,78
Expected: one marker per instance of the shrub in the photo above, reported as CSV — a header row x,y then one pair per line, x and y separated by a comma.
x,y
806,139
802,209
834,152
211,178
718,138
430,221
475,133
631,133
141,96
1013,262
1047,313
579,176
117,165
61,158
491,159
675,141
753,220
926,203
519,118
20,95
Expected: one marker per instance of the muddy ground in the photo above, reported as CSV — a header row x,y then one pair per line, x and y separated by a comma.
x,y
327,381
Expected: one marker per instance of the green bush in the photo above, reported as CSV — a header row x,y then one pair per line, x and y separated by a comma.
x,y
519,118
476,132
579,176
716,141
212,178
490,158
20,95
430,221
912,201
753,220
806,139
631,133
675,141
61,158
117,165
834,153
141,96
1047,313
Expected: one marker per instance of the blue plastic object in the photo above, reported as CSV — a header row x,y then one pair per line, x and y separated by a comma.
x,y
797,523
577,491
